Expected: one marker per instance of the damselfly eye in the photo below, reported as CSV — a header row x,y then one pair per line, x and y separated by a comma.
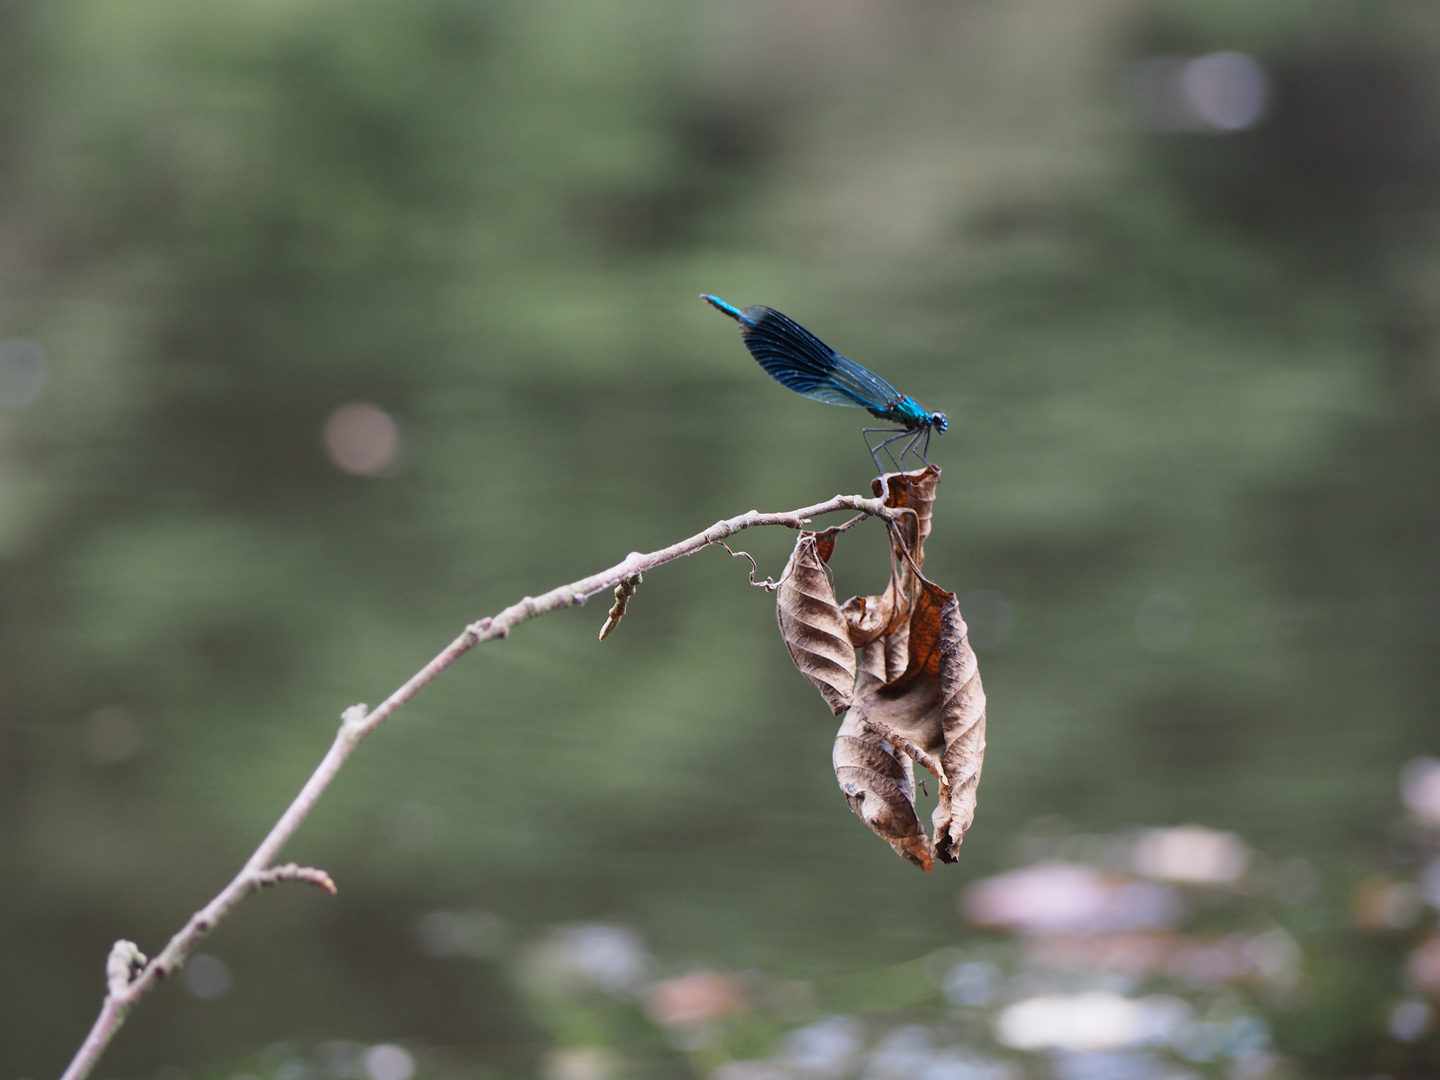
x,y
939,421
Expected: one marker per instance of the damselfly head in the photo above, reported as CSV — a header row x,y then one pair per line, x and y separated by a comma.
x,y
940,422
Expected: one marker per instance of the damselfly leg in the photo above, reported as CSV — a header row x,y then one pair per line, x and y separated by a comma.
x,y
913,446
896,434
884,445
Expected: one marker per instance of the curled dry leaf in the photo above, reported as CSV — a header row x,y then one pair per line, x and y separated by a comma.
x,y
811,624
879,784
915,694
935,711
874,617
911,491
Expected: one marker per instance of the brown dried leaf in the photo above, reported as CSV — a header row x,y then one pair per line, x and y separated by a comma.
x,y
913,491
874,617
871,660
919,687
810,621
902,664
897,650
963,711
935,711
879,784
870,618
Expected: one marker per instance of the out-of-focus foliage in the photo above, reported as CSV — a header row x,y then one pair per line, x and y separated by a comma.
x,y
1191,475
1155,954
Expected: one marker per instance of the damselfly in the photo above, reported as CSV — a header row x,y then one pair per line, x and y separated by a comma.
x,y
797,359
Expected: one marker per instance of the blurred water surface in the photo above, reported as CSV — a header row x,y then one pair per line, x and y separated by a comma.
x,y
327,329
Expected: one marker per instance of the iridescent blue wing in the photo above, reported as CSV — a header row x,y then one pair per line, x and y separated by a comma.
x,y
797,359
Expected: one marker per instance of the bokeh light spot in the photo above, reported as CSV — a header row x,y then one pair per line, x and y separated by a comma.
x,y
1227,91
207,976
974,983
361,438
901,1054
1420,790
826,1046
23,373
610,957
695,999
1381,904
1410,1020
386,1061
1422,968
1191,854
578,1063
1430,883
1096,1020
751,1070
1219,92
1055,897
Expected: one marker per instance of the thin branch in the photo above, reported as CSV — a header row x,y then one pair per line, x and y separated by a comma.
x,y
130,976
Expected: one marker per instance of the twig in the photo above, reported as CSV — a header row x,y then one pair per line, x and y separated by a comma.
x,y
768,584
294,872
623,592
129,976
846,526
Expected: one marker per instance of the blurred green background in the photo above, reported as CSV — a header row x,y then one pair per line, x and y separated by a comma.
x,y
1192,372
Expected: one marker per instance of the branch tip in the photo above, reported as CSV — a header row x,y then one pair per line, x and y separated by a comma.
x,y
264,879
122,965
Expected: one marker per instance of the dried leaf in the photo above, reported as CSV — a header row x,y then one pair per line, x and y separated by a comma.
x,y
871,660
874,617
897,650
879,784
810,621
913,491
869,618
935,711
919,687
902,663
